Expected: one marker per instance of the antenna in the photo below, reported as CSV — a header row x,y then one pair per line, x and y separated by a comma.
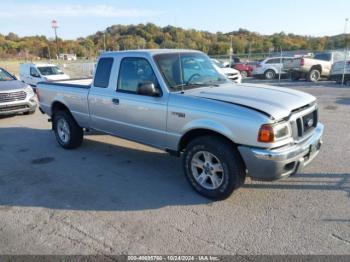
x,y
181,75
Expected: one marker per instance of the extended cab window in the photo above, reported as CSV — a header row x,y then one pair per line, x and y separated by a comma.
x,y
103,72
133,73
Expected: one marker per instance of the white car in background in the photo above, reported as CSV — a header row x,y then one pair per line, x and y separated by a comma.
x,y
269,68
32,74
337,71
232,74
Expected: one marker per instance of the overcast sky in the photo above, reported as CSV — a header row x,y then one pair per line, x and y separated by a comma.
x,y
84,17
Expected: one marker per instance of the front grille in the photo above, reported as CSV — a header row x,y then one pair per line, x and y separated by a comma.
x,y
12,108
307,123
12,96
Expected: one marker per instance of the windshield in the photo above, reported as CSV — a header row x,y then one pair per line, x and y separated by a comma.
x,y
5,76
188,70
323,56
50,70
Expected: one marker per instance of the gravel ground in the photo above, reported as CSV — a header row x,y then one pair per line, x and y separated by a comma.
x,y
116,197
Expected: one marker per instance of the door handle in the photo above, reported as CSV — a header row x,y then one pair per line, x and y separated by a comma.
x,y
115,101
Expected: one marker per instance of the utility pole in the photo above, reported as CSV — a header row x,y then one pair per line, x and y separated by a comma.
x,y
104,40
281,64
231,50
346,50
54,25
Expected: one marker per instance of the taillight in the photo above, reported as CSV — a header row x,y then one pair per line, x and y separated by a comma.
x,y
258,65
302,62
266,134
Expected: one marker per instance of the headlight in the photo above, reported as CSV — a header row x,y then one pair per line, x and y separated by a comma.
x,y
29,90
274,132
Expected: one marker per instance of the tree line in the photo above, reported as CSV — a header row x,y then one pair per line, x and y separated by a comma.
x,y
126,37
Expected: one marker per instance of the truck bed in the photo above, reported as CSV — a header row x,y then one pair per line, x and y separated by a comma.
x,y
79,83
73,93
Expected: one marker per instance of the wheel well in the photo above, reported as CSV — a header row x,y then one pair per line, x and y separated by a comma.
x,y
318,67
58,106
190,135
270,69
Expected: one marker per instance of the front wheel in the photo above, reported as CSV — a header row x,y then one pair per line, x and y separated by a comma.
x,y
68,133
213,167
244,74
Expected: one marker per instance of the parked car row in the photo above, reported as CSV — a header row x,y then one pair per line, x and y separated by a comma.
x,y
328,65
18,96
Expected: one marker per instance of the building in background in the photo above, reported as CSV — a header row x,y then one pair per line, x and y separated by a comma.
x,y
68,57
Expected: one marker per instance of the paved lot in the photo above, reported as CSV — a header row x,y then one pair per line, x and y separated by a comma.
x,y
116,197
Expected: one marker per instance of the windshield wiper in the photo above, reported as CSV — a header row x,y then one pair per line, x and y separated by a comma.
x,y
194,85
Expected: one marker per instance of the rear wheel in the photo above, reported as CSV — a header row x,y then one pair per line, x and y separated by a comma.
x,y
244,74
213,167
314,75
68,133
270,74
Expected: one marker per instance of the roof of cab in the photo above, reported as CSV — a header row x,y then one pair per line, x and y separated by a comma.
x,y
37,64
150,52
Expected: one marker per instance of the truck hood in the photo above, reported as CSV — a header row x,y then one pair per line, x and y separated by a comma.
x,y
277,102
57,77
228,70
11,85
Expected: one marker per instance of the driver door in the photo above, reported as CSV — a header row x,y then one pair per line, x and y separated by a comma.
x,y
34,77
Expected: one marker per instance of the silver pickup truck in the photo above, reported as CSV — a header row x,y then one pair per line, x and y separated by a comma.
x,y
177,101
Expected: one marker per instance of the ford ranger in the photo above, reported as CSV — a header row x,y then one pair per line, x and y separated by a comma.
x,y
222,130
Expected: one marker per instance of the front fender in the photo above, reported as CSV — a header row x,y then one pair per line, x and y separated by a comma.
x,y
211,125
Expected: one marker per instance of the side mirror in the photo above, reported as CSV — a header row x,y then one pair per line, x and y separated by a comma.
x,y
147,89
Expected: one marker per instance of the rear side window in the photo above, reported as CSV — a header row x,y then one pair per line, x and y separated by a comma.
x,y
273,61
323,56
103,72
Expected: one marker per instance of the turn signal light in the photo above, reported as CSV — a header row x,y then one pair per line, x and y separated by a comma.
x,y
266,134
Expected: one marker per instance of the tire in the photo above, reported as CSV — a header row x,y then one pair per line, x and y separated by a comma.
x,y
295,76
68,133
314,75
216,185
269,74
244,74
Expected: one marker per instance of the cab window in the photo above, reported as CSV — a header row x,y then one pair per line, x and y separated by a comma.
x,y
135,72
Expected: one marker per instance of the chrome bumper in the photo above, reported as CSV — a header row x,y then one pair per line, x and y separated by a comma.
x,y
273,164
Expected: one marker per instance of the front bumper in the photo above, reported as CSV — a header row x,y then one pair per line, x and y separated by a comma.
x,y
12,108
235,78
271,164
